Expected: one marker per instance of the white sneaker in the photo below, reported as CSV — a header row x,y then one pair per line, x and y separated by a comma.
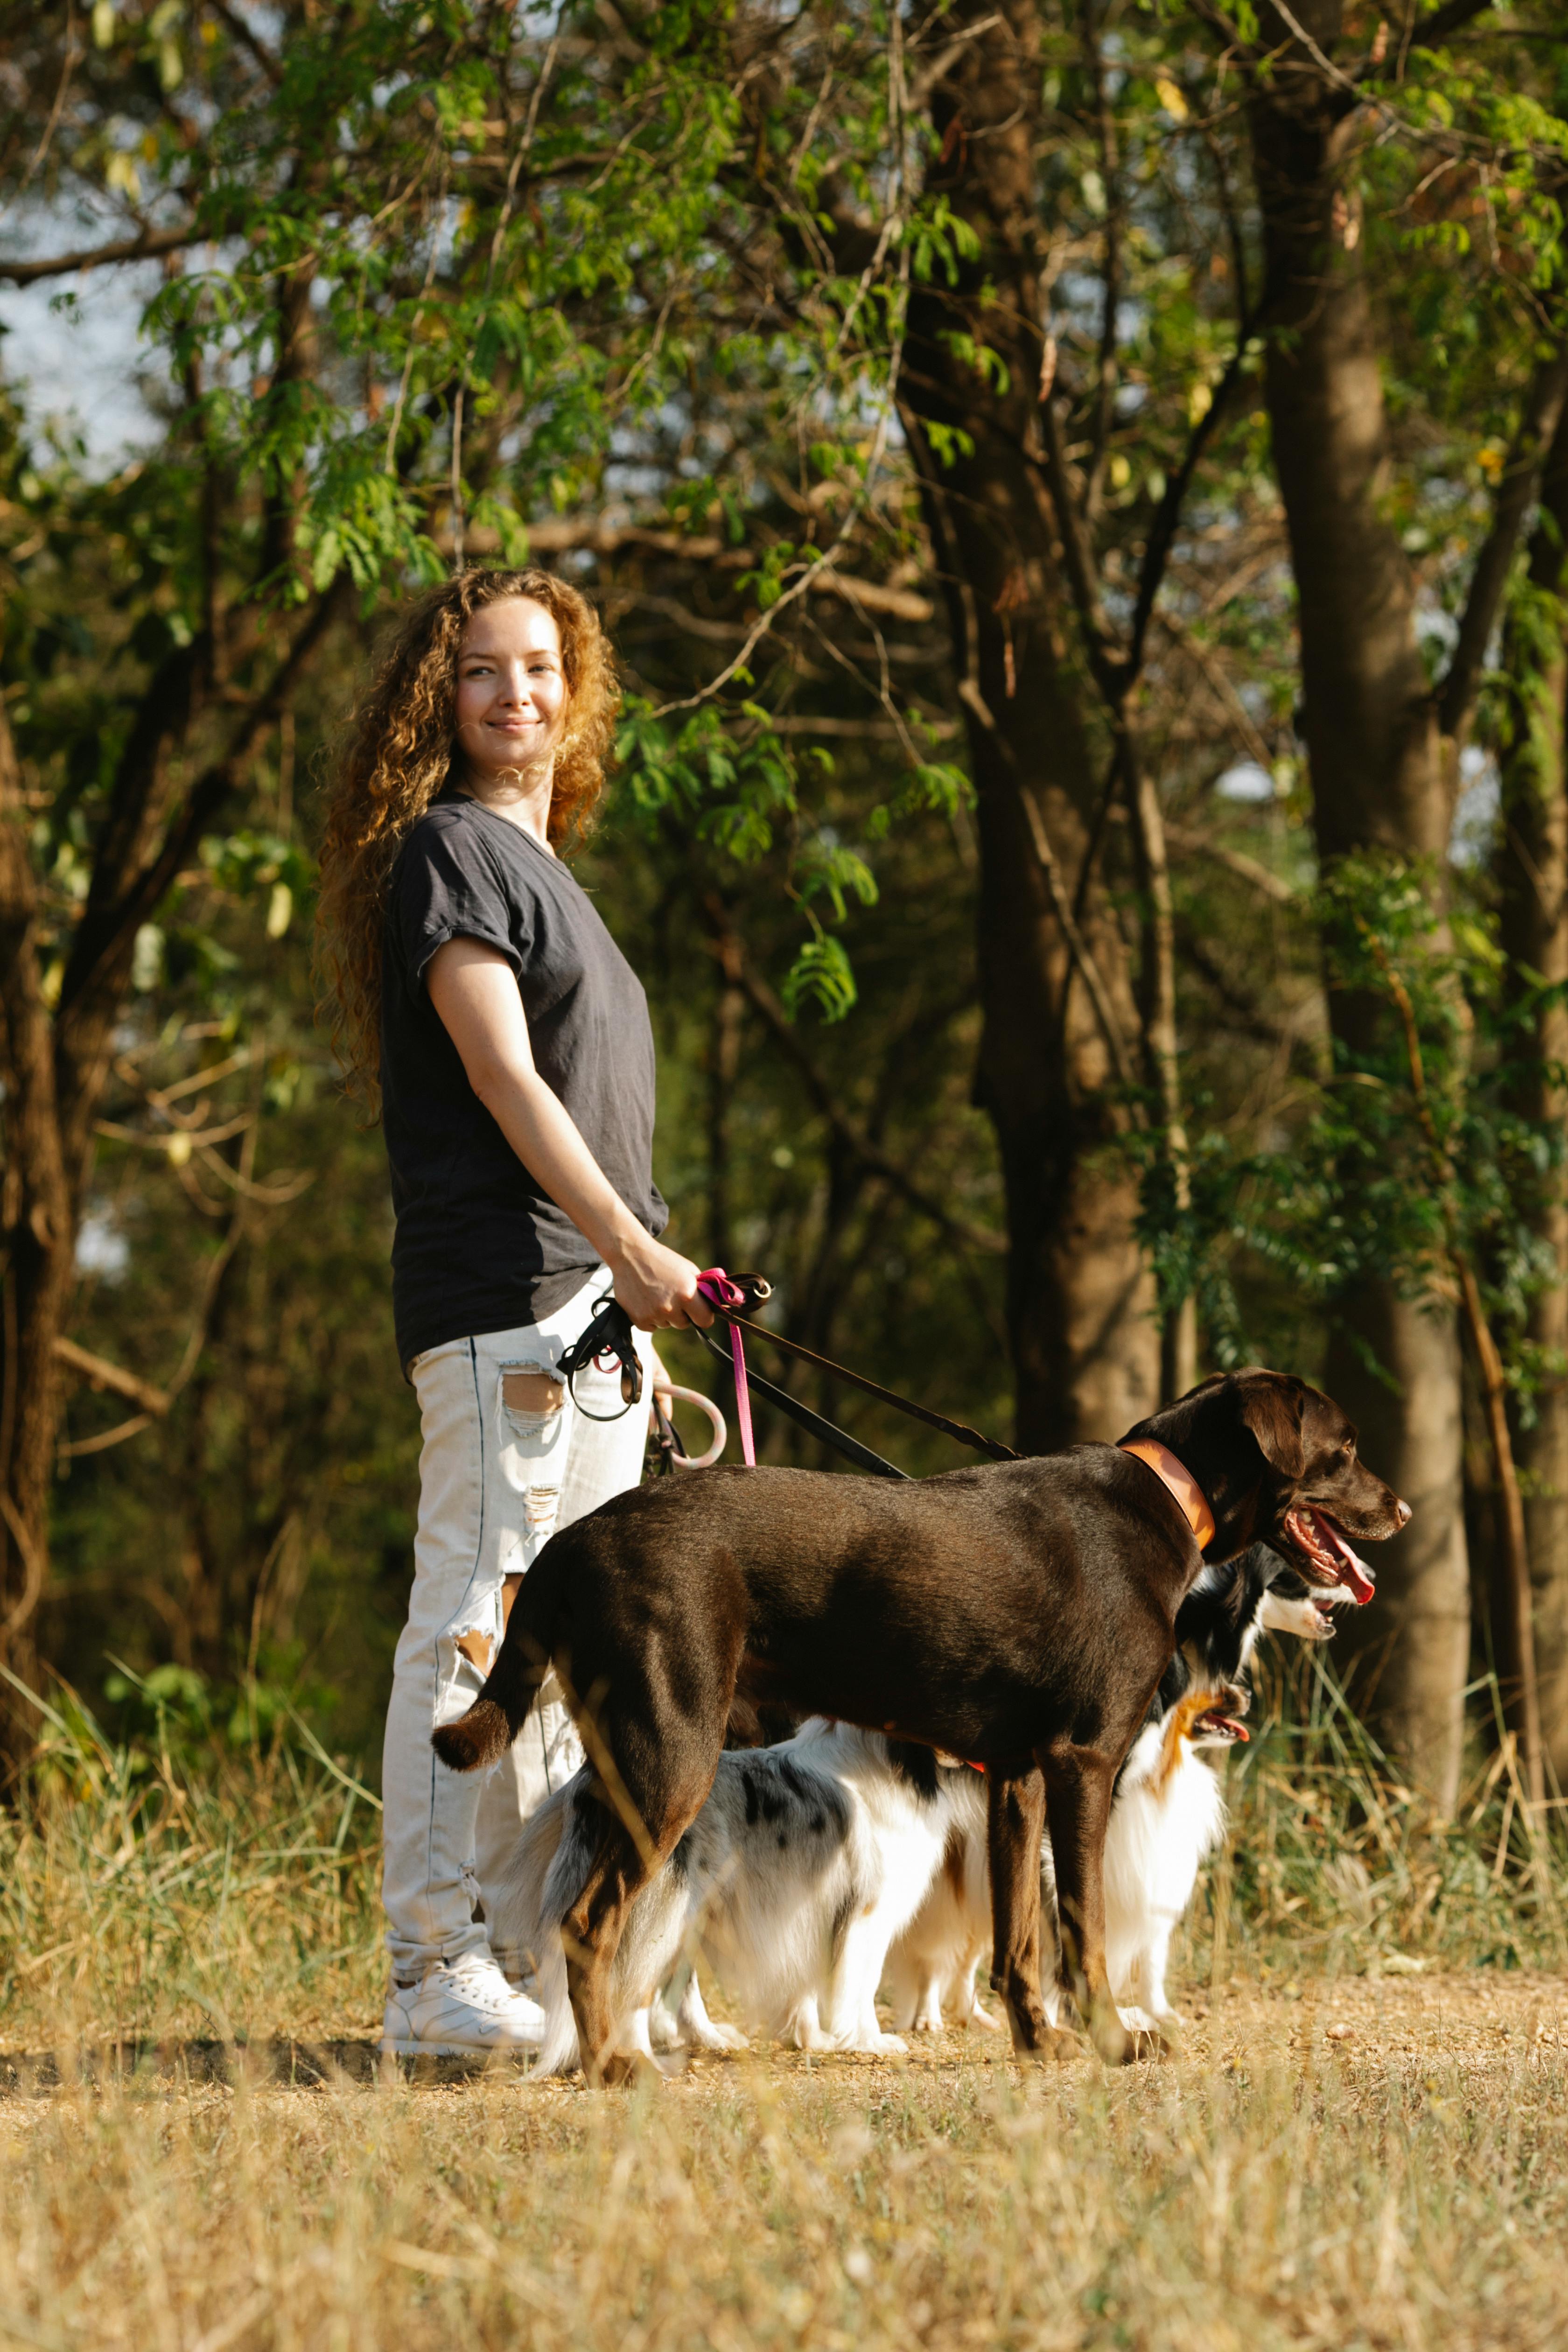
x,y
460,2009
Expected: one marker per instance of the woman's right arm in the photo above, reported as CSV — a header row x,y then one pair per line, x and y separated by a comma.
x,y
475,993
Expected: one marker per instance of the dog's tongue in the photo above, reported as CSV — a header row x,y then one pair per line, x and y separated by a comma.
x,y
1217,1721
1354,1573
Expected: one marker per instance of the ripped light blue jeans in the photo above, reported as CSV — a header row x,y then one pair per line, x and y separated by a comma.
x,y
507,1459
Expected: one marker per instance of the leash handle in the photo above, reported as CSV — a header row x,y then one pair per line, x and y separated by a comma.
x,y
609,1333
728,1297
663,1393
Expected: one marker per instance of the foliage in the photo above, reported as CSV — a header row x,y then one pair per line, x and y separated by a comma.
x,y
631,295
1410,1146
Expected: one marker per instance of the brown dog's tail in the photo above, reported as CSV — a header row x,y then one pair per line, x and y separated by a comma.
x,y
480,1736
506,1702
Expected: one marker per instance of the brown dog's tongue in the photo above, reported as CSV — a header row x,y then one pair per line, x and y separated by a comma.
x,y
1318,1534
1354,1572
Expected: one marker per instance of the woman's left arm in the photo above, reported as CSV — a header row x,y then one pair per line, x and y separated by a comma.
x,y
475,993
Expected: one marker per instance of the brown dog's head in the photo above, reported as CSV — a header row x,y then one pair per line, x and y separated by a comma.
x,y
1277,1461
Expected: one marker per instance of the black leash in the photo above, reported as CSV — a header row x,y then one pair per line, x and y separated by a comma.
x,y
850,1447
610,1334
959,1430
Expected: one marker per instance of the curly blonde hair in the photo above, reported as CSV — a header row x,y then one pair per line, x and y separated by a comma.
x,y
400,753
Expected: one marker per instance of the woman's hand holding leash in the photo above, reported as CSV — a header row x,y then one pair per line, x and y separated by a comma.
x,y
657,1287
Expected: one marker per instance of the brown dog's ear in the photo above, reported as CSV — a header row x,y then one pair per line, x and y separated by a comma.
x,y
1274,1410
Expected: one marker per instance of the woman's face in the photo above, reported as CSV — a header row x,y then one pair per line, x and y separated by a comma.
x,y
511,690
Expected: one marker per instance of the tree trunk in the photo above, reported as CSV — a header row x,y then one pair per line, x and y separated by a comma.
x,y
1081,1307
1381,777
39,1245
53,1069
1531,867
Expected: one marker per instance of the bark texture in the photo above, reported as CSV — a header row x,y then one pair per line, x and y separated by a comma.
x,y
1081,1305
1532,877
38,1241
1382,777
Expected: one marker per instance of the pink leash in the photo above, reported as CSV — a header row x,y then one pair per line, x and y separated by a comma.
x,y
724,1295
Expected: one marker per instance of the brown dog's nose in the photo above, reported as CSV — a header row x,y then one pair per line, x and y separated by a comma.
x,y
1406,1512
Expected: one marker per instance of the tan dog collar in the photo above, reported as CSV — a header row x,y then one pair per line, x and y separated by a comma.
x,y
1191,1500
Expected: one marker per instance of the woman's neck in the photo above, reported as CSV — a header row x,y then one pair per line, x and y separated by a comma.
x,y
523,800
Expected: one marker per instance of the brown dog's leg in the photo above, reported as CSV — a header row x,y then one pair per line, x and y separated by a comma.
x,y
653,1776
1078,1791
591,1932
1016,1818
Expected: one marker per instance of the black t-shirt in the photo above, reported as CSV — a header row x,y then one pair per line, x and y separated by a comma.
x,y
480,1245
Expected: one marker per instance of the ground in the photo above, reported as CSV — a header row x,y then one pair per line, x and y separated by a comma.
x,y
1375,2160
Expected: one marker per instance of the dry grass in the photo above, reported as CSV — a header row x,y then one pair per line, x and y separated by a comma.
x,y
1348,2153
1405,2184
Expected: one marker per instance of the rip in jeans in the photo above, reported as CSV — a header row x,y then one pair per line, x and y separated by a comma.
x,y
533,1424
478,1647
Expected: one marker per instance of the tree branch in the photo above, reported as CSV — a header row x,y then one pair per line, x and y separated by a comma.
x,y
104,930
727,946
1450,18
1077,946
1215,18
1517,493
1162,533
1104,411
1106,657
240,31
1237,861
562,538
100,1373
99,957
145,246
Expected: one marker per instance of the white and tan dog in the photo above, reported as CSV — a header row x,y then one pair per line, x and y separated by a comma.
x,y
1167,1818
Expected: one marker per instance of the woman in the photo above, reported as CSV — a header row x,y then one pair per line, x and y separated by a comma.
x,y
482,998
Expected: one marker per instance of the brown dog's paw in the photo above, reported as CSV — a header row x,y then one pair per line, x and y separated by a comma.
x,y
1116,2044
480,1736
1052,2044
1060,2045
623,2070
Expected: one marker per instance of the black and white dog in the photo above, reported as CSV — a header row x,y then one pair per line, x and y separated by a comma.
x,y
803,1865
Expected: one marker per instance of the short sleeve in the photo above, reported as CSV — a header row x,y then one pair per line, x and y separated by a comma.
x,y
447,887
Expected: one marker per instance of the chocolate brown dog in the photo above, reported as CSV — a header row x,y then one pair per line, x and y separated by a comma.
x,y
1019,1614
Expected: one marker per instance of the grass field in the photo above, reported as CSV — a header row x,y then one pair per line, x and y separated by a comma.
x,y
1364,2143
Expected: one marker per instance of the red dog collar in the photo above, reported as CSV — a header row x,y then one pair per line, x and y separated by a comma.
x,y
1191,1500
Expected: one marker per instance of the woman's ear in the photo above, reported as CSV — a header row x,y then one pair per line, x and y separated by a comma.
x,y
1273,1409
